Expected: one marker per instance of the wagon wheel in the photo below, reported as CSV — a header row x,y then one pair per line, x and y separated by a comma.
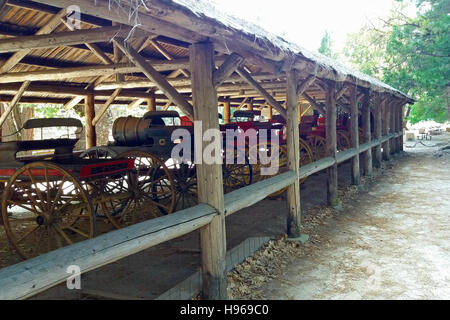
x,y
99,153
150,188
44,207
306,156
237,174
184,177
271,151
318,146
343,141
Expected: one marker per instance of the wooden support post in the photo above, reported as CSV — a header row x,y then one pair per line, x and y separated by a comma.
x,y
89,114
292,146
400,118
386,124
367,134
14,102
330,105
378,129
250,106
151,104
270,115
226,113
354,133
212,236
392,129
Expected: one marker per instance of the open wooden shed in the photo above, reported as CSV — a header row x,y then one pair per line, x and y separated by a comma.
x,y
186,54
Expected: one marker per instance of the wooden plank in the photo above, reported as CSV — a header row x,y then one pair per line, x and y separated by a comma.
x,y
213,236
293,155
87,71
230,65
316,166
155,76
367,134
89,116
332,183
354,133
62,39
32,276
54,22
270,100
235,201
14,102
151,104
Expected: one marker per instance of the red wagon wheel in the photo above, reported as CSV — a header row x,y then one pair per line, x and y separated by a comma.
x,y
318,146
44,207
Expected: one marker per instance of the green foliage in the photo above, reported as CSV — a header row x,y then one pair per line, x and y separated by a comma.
x,y
412,55
325,45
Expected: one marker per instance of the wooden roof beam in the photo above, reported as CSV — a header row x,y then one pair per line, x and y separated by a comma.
x,y
314,103
156,77
62,38
54,22
14,101
252,82
230,65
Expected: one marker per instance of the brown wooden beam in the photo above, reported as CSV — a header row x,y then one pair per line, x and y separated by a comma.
x,y
367,134
155,76
332,173
354,133
378,129
14,102
230,65
89,115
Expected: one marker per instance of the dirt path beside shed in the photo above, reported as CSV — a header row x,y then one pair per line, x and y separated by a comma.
x,y
391,241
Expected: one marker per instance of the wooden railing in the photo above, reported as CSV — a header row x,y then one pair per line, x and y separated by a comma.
x,y
32,276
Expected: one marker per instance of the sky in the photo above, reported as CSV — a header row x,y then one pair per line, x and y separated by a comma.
x,y
305,21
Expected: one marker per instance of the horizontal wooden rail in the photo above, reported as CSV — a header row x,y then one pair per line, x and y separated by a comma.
x,y
236,200
33,276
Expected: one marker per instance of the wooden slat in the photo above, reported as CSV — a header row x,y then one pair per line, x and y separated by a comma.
x,y
155,76
54,22
270,100
14,102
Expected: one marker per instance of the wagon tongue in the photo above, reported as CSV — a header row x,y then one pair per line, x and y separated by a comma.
x,y
105,168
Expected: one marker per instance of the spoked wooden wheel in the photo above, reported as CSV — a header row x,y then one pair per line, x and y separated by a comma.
x,y
44,207
268,160
99,153
150,189
306,156
184,177
343,141
318,146
237,174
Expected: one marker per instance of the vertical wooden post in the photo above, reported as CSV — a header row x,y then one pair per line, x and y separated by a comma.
x,y
300,113
386,128
226,113
209,177
270,113
1,110
400,116
393,142
367,134
292,146
89,113
378,129
250,106
354,129
151,104
332,189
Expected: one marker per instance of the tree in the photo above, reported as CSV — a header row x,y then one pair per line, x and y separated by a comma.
x,y
411,54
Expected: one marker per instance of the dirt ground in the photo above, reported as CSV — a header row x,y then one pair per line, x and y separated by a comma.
x,y
390,241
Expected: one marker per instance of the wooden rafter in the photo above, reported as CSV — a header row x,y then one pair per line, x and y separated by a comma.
x,y
305,85
155,76
14,101
54,22
105,107
230,65
313,103
247,77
